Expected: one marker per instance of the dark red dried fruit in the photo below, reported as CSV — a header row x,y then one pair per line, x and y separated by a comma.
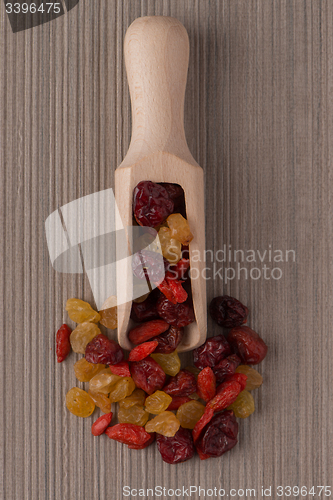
x,y
130,434
183,384
176,287
206,417
178,271
151,204
142,446
211,352
177,401
142,351
241,378
104,351
63,345
169,340
247,344
165,289
147,330
178,315
206,384
121,369
148,375
148,265
228,312
176,449
220,435
146,310
176,193
101,424
226,367
226,394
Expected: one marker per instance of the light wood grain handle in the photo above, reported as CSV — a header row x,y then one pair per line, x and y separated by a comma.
x,y
156,55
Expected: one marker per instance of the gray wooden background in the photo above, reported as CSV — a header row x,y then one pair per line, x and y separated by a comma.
x,y
259,119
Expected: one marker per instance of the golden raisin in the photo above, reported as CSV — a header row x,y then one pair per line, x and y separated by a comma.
x,y
171,248
79,402
189,413
103,381
137,397
108,313
82,335
166,423
157,402
101,401
180,229
80,311
170,363
135,415
84,371
243,407
122,389
254,379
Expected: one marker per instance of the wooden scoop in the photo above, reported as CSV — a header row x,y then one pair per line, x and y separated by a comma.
x,y
156,55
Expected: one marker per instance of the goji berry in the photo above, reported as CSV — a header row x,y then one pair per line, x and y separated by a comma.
x,y
63,345
206,384
176,287
129,434
241,378
226,394
121,369
142,446
147,330
179,270
206,417
101,424
164,287
142,351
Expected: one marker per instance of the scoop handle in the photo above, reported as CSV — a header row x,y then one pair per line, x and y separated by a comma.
x,y
156,57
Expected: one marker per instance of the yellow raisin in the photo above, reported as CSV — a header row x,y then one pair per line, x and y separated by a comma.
x,y
243,407
103,381
122,389
135,415
80,311
82,335
84,371
180,229
101,401
157,402
254,379
79,402
171,248
137,397
166,423
170,363
189,413
194,370
108,313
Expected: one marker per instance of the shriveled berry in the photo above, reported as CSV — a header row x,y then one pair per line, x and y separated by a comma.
x,y
146,310
103,381
226,394
103,350
254,379
226,367
190,413
142,446
137,397
247,344
206,384
211,352
101,401
150,265
169,340
241,378
101,424
220,435
121,369
171,248
151,204
79,402
142,351
123,388
157,402
175,192
165,423
135,415
177,401
176,449
80,311
183,384
228,312
176,288
82,335
170,363
129,434
179,228
85,371
179,270
199,426
147,330
63,346
148,375
244,406
178,315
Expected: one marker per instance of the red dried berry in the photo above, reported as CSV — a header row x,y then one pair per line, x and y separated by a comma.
x,y
129,434
206,384
177,401
220,435
147,330
165,289
226,394
142,446
149,265
169,340
211,352
206,417
226,367
175,191
176,287
146,310
247,344
148,375
120,369
101,424
63,345
178,271
228,312
151,204
241,378
178,315
176,449
142,351
183,384
104,351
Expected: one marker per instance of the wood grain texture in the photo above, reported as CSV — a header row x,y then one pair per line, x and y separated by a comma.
x,y
259,120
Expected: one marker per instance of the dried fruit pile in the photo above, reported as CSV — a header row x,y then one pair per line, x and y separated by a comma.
x,y
185,409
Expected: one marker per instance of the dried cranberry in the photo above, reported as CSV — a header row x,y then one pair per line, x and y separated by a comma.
x,y
226,367
176,449
176,193
178,271
148,375
220,434
241,378
151,204
211,352
104,351
146,310
247,344
228,312
183,384
178,315
169,340
149,265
